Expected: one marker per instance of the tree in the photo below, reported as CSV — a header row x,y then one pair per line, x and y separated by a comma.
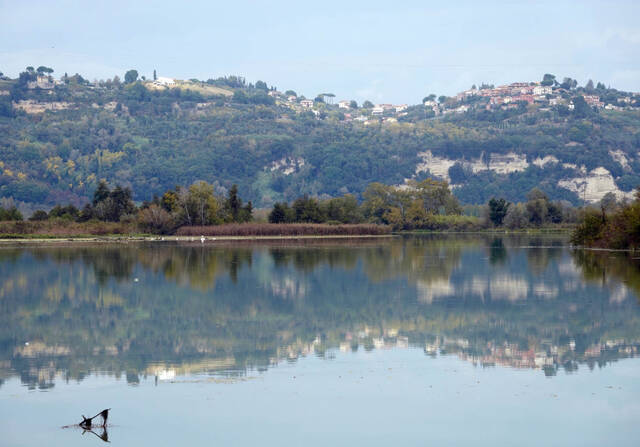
x,y
431,97
130,76
581,108
261,85
367,104
548,79
281,213
101,193
568,83
608,204
204,202
233,210
307,209
233,204
589,88
353,104
240,97
11,213
39,215
458,173
537,207
290,93
155,219
498,209
44,70
155,77
516,217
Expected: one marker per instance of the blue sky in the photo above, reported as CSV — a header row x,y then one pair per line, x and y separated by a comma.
x,y
392,51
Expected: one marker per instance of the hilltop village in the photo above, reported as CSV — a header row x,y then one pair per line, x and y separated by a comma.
x,y
64,134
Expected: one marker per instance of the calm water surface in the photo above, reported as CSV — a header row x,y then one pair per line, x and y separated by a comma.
x,y
446,340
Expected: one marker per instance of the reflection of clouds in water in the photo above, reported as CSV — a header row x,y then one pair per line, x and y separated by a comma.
x,y
567,267
619,294
288,288
478,285
508,287
546,291
500,287
431,290
571,285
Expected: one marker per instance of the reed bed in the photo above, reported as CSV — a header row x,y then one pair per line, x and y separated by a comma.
x,y
65,228
265,229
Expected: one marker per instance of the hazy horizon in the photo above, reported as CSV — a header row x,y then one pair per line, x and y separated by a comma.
x,y
356,50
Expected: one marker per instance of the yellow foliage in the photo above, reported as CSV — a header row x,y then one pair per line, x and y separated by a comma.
x,y
22,175
107,158
8,172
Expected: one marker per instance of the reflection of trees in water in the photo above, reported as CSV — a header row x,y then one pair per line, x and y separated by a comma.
x,y
195,266
608,268
424,259
170,315
306,259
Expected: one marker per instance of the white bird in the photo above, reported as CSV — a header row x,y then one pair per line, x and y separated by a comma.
x,y
202,239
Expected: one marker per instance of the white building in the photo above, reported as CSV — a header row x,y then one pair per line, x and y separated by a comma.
x,y
344,104
164,82
542,90
401,108
306,103
377,111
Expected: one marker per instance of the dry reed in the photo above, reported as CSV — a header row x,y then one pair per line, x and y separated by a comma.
x,y
264,229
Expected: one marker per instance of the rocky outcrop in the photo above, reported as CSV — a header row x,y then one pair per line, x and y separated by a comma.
x,y
593,186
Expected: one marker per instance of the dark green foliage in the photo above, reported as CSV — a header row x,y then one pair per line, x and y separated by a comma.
x,y
234,211
65,212
131,76
282,213
617,230
39,215
498,210
11,213
307,210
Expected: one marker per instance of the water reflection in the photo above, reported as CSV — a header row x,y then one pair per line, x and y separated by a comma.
x,y
168,310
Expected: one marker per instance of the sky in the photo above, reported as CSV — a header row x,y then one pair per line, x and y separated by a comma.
x,y
382,51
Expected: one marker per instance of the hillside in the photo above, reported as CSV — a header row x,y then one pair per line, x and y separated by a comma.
x,y
59,137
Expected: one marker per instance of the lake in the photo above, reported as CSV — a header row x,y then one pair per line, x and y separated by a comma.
x,y
414,340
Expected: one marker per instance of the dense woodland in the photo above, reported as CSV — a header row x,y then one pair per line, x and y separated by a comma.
x,y
227,132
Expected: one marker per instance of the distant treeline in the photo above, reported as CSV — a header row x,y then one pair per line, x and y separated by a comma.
x,y
202,209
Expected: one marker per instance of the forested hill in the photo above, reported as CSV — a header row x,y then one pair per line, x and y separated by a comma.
x,y
58,138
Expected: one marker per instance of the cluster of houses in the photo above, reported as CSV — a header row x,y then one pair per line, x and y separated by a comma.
x,y
44,82
384,112
511,95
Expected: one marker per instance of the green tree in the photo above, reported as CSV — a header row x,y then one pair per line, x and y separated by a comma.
x,y
498,210
131,76
281,213
101,193
548,79
308,210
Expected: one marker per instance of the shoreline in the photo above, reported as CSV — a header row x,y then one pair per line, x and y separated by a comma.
x,y
20,239
127,239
